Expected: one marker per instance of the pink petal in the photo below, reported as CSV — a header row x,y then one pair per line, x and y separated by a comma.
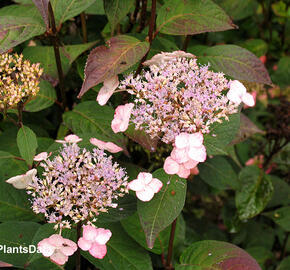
x,y
248,99
179,155
183,172
59,258
197,153
144,177
156,185
84,244
103,236
121,118
190,164
67,251
56,240
194,171
4,264
182,140
136,185
170,166
70,243
107,90
72,138
98,251
113,148
100,144
145,195
46,248
41,156
89,233
196,139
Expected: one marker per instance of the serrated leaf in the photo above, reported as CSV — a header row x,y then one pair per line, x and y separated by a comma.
x,y
44,98
221,134
119,53
247,129
42,6
166,205
116,10
219,173
281,216
190,17
210,254
255,192
123,253
88,119
27,144
15,30
64,10
236,62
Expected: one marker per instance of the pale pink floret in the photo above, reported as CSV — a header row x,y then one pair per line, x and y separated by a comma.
x,y
94,240
41,156
107,90
238,93
70,139
121,118
23,180
170,166
57,248
145,186
109,146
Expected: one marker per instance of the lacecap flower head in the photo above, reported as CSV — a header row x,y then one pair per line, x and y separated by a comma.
x,y
19,80
76,185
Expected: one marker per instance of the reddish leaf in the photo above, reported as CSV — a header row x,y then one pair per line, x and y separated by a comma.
x,y
210,254
42,6
119,53
141,137
234,61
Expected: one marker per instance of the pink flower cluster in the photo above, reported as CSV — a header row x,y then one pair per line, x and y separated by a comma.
x,y
58,249
187,152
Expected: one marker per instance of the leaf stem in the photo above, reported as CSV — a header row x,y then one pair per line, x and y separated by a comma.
x,y
84,27
55,42
186,42
170,245
150,35
20,106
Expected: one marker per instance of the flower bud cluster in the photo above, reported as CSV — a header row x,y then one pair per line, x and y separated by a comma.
x,y
178,96
77,185
19,80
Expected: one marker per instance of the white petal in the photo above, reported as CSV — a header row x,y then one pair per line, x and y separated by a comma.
x,y
156,185
107,90
248,99
22,181
145,195
136,185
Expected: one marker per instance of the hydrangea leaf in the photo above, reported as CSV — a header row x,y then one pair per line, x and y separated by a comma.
x,y
189,17
281,216
166,205
254,193
119,53
27,144
211,254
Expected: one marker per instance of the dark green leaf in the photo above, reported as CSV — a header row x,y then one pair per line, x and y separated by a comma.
x,y
166,205
281,216
218,172
255,192
210,254
189,17
285,264
27,144
282,74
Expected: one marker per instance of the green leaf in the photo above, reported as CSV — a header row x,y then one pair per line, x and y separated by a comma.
x,y
285,264
218,172
221,135
257,46
282,74
238,9
189,17
45,56
260,254
27,144
133,227
44,98
116,10
166,205
281,195
234,61
22,235
255,192
281,216
97,8
123,253
88,119
119,53
64,10
210,254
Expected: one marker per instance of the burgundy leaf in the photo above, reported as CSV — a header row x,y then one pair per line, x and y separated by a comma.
x,y
119,53
42,6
